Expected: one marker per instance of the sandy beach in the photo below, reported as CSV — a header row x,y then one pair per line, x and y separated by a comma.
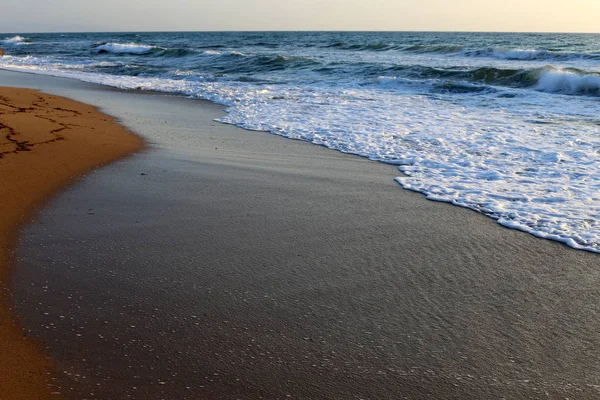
x,y
46,143
224,263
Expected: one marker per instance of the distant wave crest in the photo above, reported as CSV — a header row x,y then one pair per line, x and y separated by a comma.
x,y
124,48
433,49
502,53
530,54
16,40
362,47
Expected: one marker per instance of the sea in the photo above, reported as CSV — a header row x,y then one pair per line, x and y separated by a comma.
x,y
506,124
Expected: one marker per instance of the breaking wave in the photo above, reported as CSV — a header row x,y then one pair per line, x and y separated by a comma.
x,y
124,48
569,81
572,82
16,40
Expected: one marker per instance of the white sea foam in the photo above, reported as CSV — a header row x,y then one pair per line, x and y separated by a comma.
x,y
125,48
521,54
15,40
531,162
220,53
568,82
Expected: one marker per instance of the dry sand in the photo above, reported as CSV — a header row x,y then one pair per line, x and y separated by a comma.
x,y
45,143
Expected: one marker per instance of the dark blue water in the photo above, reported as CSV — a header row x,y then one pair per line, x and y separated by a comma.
x,y
454,57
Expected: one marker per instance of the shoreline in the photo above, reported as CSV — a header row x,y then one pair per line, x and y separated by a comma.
x,y
400,175
47,143
277,267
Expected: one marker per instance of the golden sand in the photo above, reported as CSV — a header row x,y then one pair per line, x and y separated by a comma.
x,y
45,143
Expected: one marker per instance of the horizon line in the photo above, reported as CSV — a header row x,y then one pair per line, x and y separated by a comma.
x,y
301,31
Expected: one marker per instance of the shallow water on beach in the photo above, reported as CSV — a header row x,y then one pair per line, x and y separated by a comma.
x,y
505,124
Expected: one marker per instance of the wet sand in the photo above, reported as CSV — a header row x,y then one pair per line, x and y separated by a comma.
x,y
224,263
45,143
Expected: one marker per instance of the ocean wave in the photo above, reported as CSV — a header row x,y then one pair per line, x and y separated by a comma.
x,y
462,88
212,46
174,53
156,51
569,81
264,63
501,53
125,48
184,52
361,47
16,40
462,51
505,76
433,49
211,52
269,45
518,54
484,75
530,54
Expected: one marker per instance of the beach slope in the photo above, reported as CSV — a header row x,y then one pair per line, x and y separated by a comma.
x,y
45,143
224,263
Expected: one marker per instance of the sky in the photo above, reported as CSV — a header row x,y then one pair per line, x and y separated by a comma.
x,y
240,15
